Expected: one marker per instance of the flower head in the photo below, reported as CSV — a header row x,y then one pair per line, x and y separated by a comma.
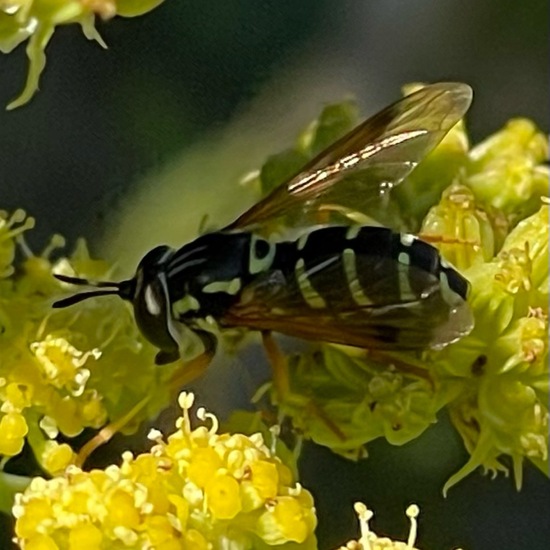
x,y
506,171
196,489
369,540
499,372
64,370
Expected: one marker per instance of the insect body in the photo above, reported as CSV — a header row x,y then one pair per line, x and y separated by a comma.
x,y
362,285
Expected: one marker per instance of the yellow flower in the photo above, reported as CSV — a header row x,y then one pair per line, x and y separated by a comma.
x,y
222,496
499,373
121,509
160,500
62,371
204,464
55,457
265,478
369,540
43,542
287,518
85,536
63,364
13,429
36,512
462,231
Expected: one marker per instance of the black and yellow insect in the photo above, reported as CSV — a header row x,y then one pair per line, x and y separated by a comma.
x,y
361,285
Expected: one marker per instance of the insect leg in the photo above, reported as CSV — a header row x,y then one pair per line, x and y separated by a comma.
x,y
281,383
184,373
278,363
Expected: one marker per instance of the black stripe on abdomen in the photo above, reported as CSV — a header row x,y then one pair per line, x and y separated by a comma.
x,y
362,265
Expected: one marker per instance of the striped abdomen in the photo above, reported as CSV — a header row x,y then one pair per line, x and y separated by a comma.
x,y
363,286
366,266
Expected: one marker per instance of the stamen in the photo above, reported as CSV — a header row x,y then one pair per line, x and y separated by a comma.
x,y
57,241
412,513
154,435
203,415
275,431
365,515
19,216
185,401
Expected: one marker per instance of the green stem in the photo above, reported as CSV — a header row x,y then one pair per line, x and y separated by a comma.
x,y
10,484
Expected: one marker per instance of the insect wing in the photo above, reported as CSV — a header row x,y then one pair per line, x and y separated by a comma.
x,y
357,172
385,305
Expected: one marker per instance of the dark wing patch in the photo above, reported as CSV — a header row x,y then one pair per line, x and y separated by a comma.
x,y
357,172
400,307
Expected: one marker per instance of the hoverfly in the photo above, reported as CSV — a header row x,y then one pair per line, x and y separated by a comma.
x,y
362,285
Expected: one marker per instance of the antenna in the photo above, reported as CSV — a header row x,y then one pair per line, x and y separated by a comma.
x,y
123,289
84,282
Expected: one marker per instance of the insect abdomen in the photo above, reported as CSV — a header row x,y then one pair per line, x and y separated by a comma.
x,y
367,266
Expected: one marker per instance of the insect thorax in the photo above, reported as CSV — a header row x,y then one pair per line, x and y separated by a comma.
x,y
207,276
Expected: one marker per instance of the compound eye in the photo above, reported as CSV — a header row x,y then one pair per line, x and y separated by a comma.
x,y
150,263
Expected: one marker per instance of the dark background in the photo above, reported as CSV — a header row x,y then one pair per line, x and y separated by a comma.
x,y
134,144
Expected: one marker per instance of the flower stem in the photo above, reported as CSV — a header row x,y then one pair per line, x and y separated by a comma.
x,y
9,485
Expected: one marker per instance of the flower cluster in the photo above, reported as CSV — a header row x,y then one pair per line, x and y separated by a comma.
x,y
369,540
499,372
196,489
36,20
486,209
65,370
